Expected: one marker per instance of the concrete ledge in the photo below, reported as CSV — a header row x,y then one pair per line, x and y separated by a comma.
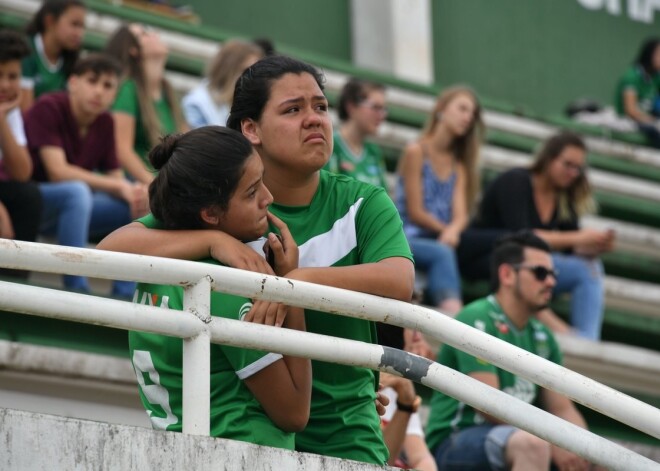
x,y
38,441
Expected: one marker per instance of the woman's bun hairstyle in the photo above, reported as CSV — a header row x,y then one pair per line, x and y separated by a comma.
x,y
162,152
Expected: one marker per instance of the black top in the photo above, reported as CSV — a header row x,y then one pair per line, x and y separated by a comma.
x,y
508,203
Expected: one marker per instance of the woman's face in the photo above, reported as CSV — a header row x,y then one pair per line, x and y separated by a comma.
x,y
567,167
458,115
655,60
69,28
246,215
294,132
151,44
369,113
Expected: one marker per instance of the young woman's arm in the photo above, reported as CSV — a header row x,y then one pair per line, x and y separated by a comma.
x,y
452,233
284,388
392,277
410,169
185,245
632,110
124,138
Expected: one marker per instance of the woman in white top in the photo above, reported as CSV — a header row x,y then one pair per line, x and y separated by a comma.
x,y
209,103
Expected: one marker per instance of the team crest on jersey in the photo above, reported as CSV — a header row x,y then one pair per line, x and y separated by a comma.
x,y
347,166
542,347
150,299
502,327
522,389
242,312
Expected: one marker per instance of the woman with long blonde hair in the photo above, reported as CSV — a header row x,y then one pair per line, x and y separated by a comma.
x,y
209,103
437,186
146,107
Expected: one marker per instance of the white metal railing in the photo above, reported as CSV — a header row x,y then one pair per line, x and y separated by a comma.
x,y
198,328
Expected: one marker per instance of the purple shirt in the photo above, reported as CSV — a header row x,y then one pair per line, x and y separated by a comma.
x,y
50,122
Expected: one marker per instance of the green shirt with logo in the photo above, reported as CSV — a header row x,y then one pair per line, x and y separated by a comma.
x,y
449,415
157,359
38,74
367,167
347,223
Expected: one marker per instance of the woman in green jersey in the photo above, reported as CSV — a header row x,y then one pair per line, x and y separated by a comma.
x,y
361,110
56,33
211,179
349,233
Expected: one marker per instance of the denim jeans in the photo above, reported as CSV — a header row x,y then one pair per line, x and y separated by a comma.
x,y
583,279
439,262
73,212
482,447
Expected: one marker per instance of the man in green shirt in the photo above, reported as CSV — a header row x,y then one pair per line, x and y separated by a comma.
x,y
461,437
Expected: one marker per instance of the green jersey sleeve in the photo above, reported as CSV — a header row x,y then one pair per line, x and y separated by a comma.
x,y
244,361
127,100
380,230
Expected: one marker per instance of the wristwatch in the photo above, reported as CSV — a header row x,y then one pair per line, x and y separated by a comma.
x,y
410,408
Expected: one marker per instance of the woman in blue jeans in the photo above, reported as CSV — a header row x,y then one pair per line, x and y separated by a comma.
x,y
436,187
549,197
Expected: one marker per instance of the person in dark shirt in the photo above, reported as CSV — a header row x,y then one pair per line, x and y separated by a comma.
x,y
71,141
549,198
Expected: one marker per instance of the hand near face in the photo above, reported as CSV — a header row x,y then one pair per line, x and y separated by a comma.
x,y
284,250
7,106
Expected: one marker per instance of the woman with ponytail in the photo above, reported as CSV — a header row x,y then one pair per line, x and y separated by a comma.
x,y
210,180
56,33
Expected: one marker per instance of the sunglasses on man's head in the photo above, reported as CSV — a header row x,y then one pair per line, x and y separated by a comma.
x,y
539,271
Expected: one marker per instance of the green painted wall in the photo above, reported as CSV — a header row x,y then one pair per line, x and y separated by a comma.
x,y
536,54
316,26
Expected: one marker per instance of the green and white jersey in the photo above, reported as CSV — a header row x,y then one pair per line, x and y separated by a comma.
x,y
127,102
235,412
38,74
449,415
347,223
367,167
645,87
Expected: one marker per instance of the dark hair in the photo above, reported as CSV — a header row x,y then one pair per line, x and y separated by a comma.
x,y
253,86
98,64
197,170
266,45
510,249
576,200
13,46
37,25
355,92
645,57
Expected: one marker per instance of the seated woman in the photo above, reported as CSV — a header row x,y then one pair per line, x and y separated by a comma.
x,y
361,111
211,178
209,103
56,32
548,197
437,185
638,91
146,107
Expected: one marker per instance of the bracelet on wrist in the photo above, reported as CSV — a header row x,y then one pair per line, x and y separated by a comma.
x,y
410,408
